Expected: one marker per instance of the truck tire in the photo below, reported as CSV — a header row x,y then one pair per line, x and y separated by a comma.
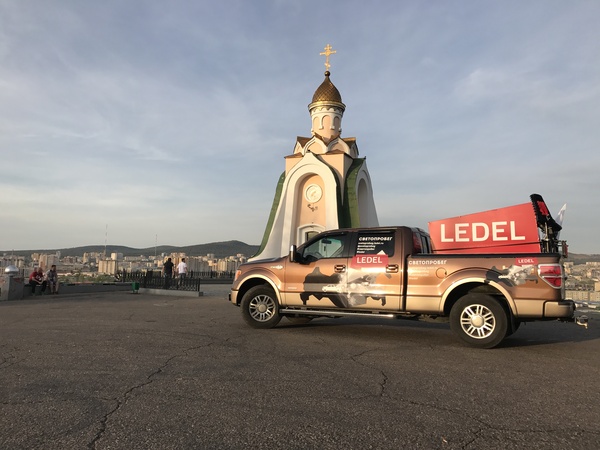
x,y
260,308
479,320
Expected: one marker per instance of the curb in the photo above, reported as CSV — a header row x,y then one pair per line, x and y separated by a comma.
x,y
170,292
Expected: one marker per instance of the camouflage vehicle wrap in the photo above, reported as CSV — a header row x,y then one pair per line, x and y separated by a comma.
x,y
394,272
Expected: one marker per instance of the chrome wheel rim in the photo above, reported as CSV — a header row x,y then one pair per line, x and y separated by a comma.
x,y
478,321
262,308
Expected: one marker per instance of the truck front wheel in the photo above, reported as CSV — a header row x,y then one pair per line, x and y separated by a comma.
x,y
260,308
479,320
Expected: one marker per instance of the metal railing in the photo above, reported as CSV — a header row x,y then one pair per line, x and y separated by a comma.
x,y
154,279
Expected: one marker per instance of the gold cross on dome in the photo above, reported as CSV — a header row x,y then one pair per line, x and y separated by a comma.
x,y
328,51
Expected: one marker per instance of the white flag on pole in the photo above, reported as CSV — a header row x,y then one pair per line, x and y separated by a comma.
x,y
560,217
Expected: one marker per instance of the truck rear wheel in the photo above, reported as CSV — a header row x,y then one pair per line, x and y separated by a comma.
x,y
479,320
260,308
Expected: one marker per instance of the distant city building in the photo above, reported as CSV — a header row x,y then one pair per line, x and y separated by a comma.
x,y
116,256
91,257
17,261
107,266
583,296
45,261
198,264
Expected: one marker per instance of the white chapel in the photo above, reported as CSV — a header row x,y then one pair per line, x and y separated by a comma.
x,y
326,185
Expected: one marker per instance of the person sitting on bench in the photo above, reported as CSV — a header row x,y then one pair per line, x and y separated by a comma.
x,y
37,278
52,280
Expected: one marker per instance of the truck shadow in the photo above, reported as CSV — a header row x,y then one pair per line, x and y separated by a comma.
x,y
548,333
528,335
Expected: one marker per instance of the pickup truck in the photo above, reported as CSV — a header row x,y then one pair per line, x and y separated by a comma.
x,y
392,272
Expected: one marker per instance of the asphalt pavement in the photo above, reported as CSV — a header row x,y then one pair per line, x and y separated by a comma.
x,y
133,371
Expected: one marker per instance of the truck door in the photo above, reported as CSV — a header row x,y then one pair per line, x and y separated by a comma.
x,y
320,276
374,274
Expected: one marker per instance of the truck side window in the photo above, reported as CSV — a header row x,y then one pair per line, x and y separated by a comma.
x,y
374,243
326,247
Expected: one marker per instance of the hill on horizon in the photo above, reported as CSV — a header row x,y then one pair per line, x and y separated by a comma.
x,y
582,258
219,249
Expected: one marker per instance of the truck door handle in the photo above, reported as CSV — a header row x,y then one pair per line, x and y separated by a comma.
x,y
391,268
339,268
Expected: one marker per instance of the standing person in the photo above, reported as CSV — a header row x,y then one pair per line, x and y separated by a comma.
x,y
36,278
181,270
168,272
52,279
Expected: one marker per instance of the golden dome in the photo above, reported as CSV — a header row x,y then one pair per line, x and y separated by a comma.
x,y
327,93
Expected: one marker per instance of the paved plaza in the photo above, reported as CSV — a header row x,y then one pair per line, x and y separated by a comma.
x,y
136,371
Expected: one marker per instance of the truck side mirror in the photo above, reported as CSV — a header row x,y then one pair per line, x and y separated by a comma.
x,y
293,254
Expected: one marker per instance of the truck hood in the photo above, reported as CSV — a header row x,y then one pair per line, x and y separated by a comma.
x,y
262,262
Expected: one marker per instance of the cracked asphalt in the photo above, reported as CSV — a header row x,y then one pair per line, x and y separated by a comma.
x,y
127,371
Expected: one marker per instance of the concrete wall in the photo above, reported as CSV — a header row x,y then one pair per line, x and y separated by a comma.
x,y
18,290
91,288
11,288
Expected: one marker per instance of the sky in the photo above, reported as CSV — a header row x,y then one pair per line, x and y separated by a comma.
x,y
143,122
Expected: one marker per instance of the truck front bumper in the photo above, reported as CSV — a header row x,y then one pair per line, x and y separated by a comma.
x,y
233,297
